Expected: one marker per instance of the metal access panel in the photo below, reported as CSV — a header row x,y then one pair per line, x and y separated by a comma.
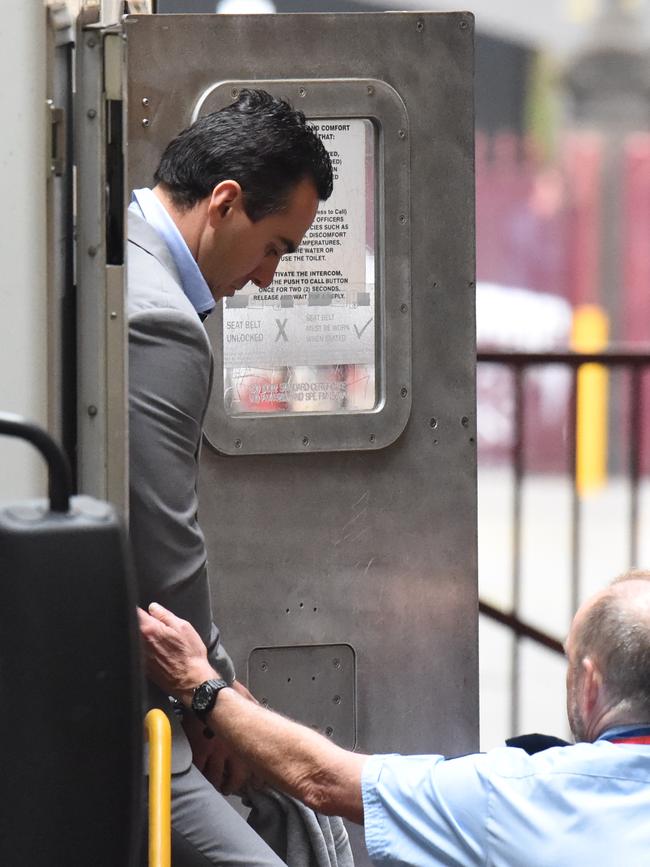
x,y
341,527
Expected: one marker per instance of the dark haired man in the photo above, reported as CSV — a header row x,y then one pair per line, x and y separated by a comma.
x,y
579,804
233,193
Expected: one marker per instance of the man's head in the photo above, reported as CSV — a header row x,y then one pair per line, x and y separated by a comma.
x,y
608,650
243,186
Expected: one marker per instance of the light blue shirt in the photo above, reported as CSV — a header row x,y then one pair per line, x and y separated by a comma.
x,y
586,805
147,204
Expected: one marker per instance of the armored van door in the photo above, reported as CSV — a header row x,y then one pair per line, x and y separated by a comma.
x,y
338,487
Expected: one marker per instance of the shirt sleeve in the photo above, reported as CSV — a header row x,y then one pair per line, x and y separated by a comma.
x,y
169,385
425,810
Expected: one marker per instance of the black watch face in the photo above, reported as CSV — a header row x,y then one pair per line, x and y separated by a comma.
x,y
205,696
202,697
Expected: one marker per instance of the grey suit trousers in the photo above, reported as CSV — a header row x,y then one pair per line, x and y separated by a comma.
x,y
206,830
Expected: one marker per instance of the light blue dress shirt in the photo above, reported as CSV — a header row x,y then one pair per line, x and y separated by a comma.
x,y
147,204
586,805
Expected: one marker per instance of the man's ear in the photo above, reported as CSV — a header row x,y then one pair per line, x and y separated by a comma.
x,y
591,687
226,196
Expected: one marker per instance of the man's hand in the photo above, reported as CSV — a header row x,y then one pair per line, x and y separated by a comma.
x,y
176,660
175,656
227,772
216,759
201,746
293,757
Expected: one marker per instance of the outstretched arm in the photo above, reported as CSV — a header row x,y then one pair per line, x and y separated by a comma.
x,y
293,757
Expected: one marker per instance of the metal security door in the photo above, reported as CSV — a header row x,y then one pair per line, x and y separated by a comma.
x,y
341,522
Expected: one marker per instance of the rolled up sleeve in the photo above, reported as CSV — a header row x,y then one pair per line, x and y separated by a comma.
x,y
424,810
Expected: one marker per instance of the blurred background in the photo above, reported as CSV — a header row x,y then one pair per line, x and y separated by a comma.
x,y
563,263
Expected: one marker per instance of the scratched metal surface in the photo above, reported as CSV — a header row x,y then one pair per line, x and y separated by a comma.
x,y
382,544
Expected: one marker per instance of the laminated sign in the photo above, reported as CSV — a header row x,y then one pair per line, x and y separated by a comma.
x,y
307,343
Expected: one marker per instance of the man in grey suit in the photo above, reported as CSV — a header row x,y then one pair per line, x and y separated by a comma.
x,y
233,193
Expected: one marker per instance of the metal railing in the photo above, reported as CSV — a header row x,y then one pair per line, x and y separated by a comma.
x,y
635,363
158,732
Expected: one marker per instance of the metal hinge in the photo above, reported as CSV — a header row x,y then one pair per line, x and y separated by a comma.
x,y
113,65
60,22
140,7
57,139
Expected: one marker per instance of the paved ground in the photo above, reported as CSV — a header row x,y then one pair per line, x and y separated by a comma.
x,y
546,590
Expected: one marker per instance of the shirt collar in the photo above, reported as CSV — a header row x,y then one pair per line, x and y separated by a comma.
x,y
192,281
623,731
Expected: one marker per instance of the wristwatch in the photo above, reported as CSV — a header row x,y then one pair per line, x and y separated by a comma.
x,y
205,696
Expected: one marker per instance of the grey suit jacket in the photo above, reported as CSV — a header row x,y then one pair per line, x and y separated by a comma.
x,y
170,379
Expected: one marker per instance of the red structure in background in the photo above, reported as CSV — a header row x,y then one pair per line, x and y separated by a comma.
x,y
520,217
540,228
635,283
582,167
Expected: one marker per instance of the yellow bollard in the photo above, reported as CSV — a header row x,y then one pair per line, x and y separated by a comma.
x,y
159,734
591,334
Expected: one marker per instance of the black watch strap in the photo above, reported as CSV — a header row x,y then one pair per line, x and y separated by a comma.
x,y
205,696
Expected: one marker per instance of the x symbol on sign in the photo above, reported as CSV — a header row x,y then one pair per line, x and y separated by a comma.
x,y
281,332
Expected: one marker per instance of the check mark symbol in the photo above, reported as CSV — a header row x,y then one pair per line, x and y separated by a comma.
x,y
359,333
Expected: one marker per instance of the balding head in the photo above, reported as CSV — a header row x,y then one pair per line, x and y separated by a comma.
x,y
608,681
